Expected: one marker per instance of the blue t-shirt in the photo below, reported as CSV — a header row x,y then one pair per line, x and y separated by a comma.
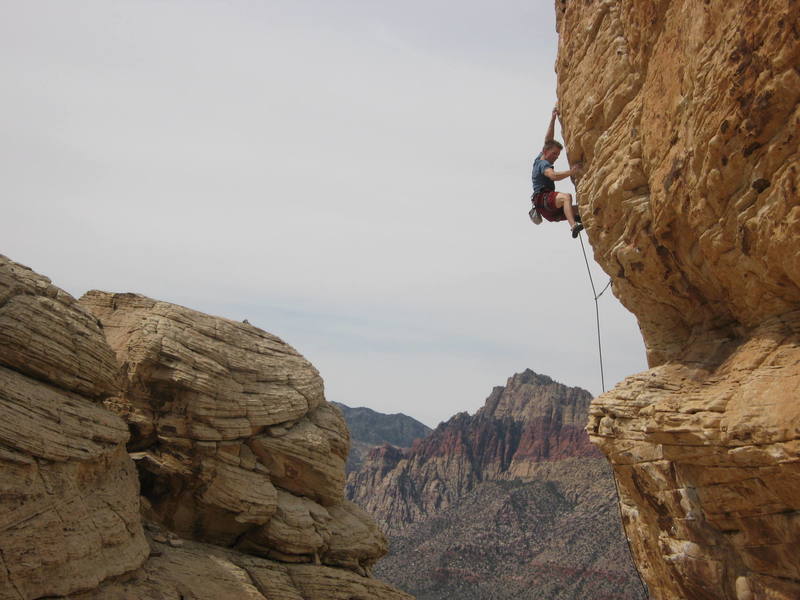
x,y
541,182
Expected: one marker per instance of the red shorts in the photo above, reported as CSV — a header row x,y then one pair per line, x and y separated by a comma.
x,y
545,203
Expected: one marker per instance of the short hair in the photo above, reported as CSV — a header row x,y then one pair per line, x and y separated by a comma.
x,y
552,144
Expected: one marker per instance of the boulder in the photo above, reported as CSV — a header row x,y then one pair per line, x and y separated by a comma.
x,y
69,510
234,440
212,407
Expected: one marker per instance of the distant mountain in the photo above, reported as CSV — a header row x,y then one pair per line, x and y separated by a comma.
x,y
369,428
512,502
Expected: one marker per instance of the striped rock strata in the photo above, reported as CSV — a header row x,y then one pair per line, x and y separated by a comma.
x,y
69,507
179,569
686,116
233,438
234,443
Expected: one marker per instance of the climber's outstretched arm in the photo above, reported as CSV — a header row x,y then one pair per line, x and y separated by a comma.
x,y
550,135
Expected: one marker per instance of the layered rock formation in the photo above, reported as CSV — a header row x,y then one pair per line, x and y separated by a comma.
x,y
511,501
369,428
234,443
69,508
689,132
530,420
179,569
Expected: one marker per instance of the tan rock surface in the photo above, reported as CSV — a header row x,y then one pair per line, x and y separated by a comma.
x,y
69,511
199,392
355,542
334,584
686,116
219,379
46,335
308,458
296,532
233,438
218,410
205,572
303,531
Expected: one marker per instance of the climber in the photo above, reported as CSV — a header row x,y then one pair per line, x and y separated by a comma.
x,y
553,205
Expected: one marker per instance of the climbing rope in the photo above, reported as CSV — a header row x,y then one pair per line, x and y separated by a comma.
x,y
596,310
603,382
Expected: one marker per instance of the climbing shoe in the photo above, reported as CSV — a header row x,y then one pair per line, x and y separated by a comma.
x,y
577,229
578,219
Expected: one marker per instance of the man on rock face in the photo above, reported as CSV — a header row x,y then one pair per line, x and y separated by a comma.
x,y
553,205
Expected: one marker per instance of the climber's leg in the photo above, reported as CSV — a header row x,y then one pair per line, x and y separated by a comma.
x,y
564,201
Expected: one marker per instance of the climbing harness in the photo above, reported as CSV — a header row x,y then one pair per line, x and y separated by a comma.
x,y
603,382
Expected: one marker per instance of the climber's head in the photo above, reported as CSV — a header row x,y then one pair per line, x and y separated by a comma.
x,y
552,150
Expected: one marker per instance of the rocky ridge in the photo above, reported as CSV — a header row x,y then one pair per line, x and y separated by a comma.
x,y
512,500
686,115
241,459
530,420
369,428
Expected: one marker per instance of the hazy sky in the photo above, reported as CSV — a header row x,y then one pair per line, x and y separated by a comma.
x,y
353,176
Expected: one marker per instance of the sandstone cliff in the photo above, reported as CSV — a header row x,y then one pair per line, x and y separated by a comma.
x,y
511,501
234,444
686,116
69,509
